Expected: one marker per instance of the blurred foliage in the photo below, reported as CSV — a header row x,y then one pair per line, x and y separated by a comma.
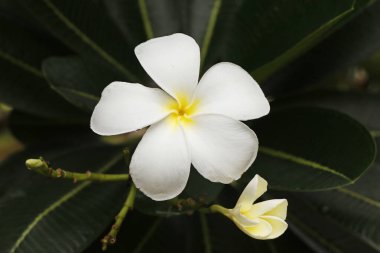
x,y
317,60
8,143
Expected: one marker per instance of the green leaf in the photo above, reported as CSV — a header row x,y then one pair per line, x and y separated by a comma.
x,y
41,214
84,27
22,84
353,43
30,129
357,207
143,19
148,234
142,233
226,237
13,11
263,36
311,223
245,32
361,106
311,148
301,47
126,14
78,80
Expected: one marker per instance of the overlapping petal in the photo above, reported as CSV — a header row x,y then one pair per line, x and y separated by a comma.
x,y
255,188
126,107
160,166
221,148
278,226
172,62
229,90
243,219
273,207
260,231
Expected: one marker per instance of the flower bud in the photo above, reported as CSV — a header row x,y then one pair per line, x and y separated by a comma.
x,y
264,220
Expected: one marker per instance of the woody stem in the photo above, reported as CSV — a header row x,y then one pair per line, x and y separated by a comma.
x,y
110,238
40,166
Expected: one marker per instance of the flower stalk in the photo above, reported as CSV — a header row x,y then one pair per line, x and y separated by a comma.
x,y
42,167
218,209
110,238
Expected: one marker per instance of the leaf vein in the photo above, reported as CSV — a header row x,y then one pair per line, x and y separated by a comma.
x,y
145,19
21,64
210,29
79,93
264,71
302,161
70,25
359,197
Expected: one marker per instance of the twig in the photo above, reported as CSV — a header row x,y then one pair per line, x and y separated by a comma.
x,y
42,167
110,238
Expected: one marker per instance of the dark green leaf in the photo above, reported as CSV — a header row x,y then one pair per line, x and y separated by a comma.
x,y
30,129
136,18
356,208
363,107
85,28
144,234
263,36
79,81
126,15
40,214
312,224
13,11
353,43
311,148
22,84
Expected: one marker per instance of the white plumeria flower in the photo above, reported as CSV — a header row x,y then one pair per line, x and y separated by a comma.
x,y
190,122
264,220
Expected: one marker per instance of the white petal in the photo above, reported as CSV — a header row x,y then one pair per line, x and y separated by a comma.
x,y
273,207
172,62
260,231
229,90
252,192
278,226
221,148
126,107
242,219
160,165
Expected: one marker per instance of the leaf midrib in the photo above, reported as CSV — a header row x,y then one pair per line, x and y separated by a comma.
x,y
145,19
77,93
85,39
359,197
262,73
302,161
210,30
21,64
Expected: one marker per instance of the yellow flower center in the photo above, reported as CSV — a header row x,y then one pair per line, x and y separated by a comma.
x,y
182,110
